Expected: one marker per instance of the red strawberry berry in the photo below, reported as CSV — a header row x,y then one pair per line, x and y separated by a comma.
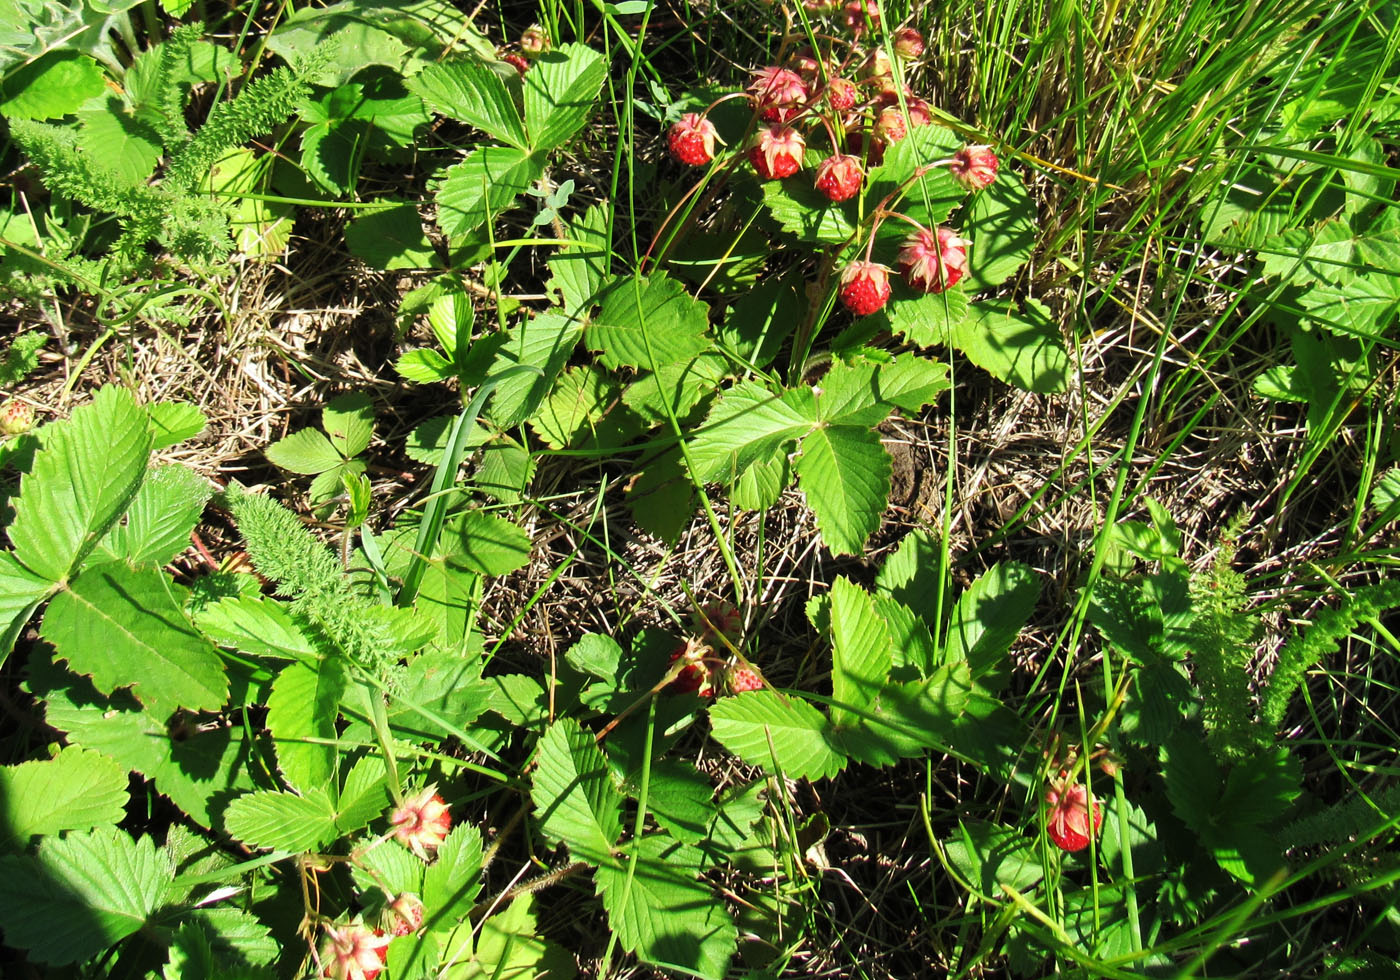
x,y
933,261
778,152
1067,817
975,167
692,140
865,287
908,43
697,676
841,94
741,679
839,176
858,13
517,61
779,92
724,618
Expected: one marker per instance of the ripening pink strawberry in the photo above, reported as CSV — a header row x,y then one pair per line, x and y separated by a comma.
x,y
908,43
403,915
697,676
1067,817
878,68
864,287
805,63
933,261
741,679
841,94
779,92
353,952
858,14
534,41
920,112
692,139
16,417
889,126
839,177
422,822
975,167
778,152
516,61
724,618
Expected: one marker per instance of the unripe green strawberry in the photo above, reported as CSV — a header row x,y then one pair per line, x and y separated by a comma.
x,y
16,417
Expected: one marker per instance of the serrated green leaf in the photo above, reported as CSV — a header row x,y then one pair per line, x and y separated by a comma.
x,y
305,451
647,323
596,654
52,86
364,797
681,383
749,423
453,880
990,856
745,724
1003,223
578,271
119,141
446,684
560,89
844,473
256,625
861,651
545,341
488,544
761,485
575,800
1023,349
910,575
174,422
678,796
75,790
21,591
662,913
282,821
148,645
506,470
80,894
423,366
1364,304
349,422
913,643
394,868
471,92
989,616
661,496
907,719
509,947
485,183
161,516
81,481
928,320
801,210
391,237
574,407
301,715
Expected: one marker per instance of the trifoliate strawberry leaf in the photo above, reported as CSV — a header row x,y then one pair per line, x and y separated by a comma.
x,y
907,719
452,881
80,894
910,574
159,521
768,730
560,89
472,93
80,484
485,183
197,767
282,821
660,911
748,424
305,451
364,797
988,617
1021,348
861,652
148,645
1003,225
844,473
575,799
1364,305
1325,253
75,790
647,322
301,715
